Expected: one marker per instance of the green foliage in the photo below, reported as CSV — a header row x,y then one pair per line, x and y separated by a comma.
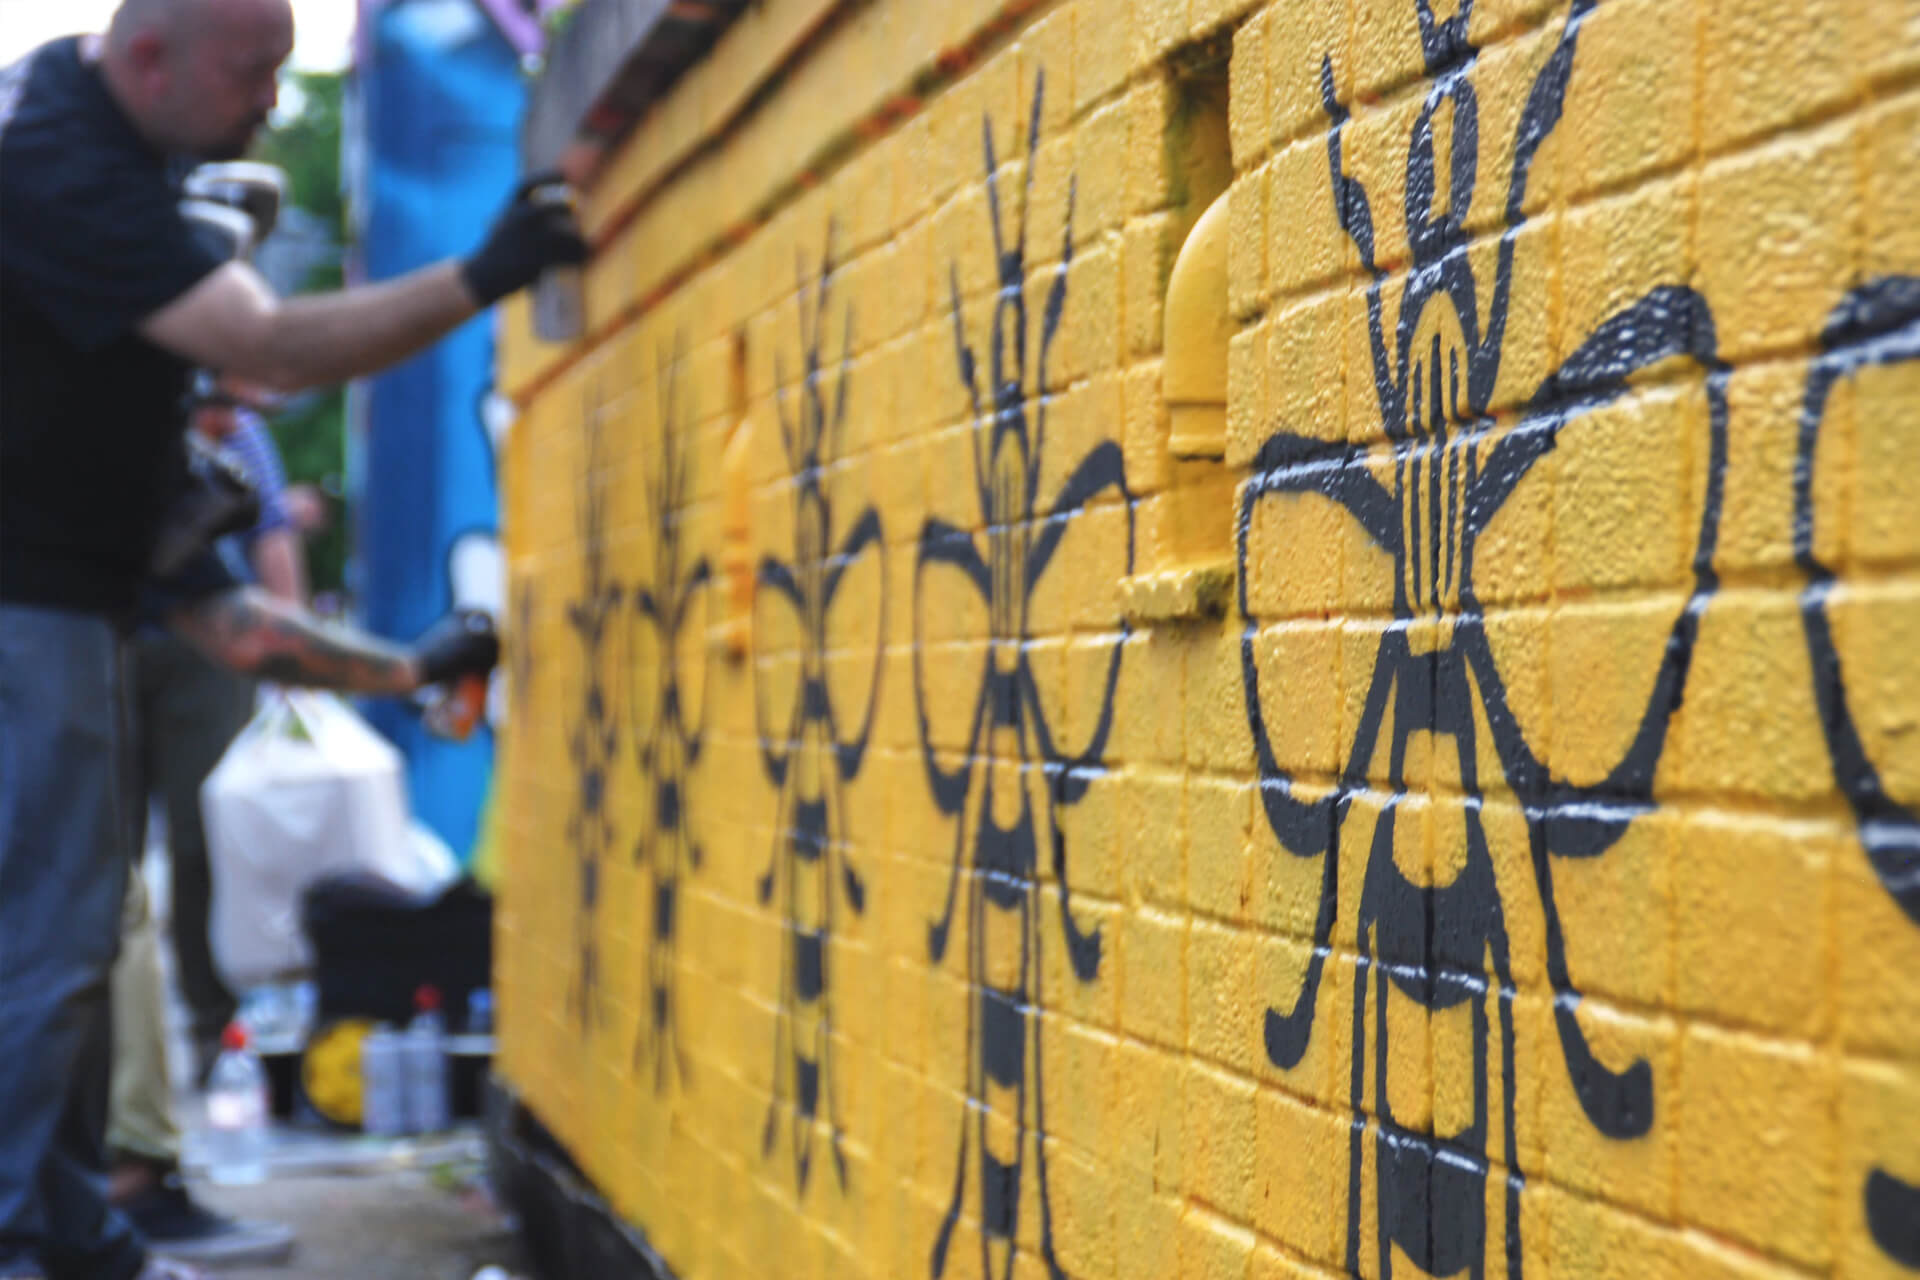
x,y
312,438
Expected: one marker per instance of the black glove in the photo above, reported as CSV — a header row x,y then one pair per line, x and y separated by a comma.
x,y
463,643
218,500
535,231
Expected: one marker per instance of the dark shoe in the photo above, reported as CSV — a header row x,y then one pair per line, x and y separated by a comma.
x,y
167,1269
178,1228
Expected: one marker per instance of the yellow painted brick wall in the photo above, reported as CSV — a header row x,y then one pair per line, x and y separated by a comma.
x,y
1519,877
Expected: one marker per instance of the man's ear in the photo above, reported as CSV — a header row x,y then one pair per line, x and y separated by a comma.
x,y
146,57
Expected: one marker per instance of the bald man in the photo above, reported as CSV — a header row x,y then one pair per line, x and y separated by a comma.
x,y
106,301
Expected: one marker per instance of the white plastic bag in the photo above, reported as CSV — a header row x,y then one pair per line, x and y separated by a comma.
x,y
308,789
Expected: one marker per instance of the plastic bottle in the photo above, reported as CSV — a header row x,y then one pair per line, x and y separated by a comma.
x,y
383,1087
237,1113
559,306
480,1012
425,1056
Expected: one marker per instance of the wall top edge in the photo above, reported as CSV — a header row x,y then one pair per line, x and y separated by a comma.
x,y
612,61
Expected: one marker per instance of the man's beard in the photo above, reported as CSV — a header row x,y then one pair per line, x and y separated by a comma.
x,y
234,147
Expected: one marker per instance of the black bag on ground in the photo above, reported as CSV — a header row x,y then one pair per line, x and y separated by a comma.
x,y
374,946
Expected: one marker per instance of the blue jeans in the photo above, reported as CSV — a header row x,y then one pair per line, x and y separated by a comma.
x,y
65,849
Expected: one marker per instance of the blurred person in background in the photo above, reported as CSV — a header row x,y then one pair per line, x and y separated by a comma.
x,y
106,303
186,710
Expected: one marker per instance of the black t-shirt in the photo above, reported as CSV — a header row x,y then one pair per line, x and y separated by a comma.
x,y
91,244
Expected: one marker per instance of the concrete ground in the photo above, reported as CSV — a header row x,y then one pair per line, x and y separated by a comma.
x,y
390,1225
360,1208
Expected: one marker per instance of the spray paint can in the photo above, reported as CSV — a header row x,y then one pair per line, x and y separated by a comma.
x,y
455,711
559,299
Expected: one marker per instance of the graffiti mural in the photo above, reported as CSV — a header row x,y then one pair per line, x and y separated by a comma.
x,y
1876,324
594,739
668,726
816,750
1013,777
1452,466
523,658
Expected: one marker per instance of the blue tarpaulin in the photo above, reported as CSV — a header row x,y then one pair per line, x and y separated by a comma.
x,y
440,99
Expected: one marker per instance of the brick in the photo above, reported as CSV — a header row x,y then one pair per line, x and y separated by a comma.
x,y
1778,240
1756,518
1149,254
1220,811
1878,1106
1377,142
1084,1212
1295,544
1217,736
1249,114
1089,337
1299,682
1081,1071
1309,249
1149,719
1618,465
1756,1141
1148,1246
1305,383
1048,48
1220,1145
1871,417
1616,250
1160,26
1270,1263
1603,664
1247,244
1102,53
1617,912
1386,46
1302,35
1302,1176
1152,956
1635,1172
1149,107
1765,70
1247,399
1147,427
1630,110
1874,1000
1212,1248
1220,973
1746,879
1746,728
1149,1124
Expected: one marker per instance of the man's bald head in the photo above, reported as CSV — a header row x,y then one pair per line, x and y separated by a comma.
x,y
198,76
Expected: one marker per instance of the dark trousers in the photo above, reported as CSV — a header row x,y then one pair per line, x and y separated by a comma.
x,y
186,713
65,826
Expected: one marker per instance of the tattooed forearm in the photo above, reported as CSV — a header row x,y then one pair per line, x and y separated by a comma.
x,y
250,631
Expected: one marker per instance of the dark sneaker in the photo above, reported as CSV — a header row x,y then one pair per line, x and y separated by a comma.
x,y
179,1229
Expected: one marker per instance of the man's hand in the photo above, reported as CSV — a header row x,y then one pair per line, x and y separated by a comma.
x,y
463,643
535,231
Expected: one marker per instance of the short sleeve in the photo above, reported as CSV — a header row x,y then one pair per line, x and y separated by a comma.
x,y
90,233
205,575
252,447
